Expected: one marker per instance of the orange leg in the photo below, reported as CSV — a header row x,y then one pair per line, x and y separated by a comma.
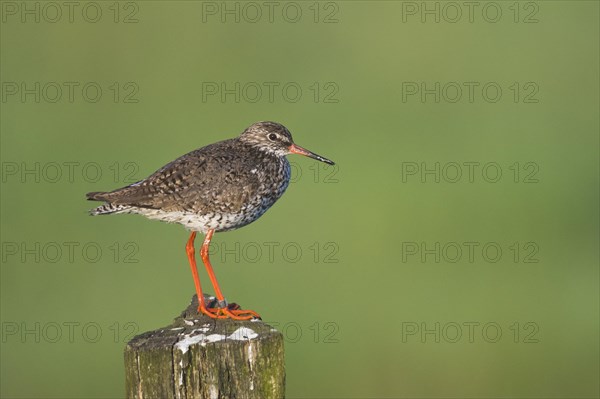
x,y
189,249
223,310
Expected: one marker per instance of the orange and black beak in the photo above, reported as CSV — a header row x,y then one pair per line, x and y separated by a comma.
x,y
296,149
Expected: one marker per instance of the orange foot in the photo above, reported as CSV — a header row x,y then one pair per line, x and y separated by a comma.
x,y
231,311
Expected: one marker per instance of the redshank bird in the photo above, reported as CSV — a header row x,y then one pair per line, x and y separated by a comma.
x,y
220,187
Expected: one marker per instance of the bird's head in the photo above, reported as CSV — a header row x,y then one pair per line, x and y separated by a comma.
x,y
274,138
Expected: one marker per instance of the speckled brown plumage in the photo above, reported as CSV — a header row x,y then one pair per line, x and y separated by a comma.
x,y
222,186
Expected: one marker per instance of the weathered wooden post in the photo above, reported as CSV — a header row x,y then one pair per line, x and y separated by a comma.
x,y
198,357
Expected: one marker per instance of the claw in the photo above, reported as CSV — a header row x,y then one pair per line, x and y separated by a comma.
x,y
239,314
230,312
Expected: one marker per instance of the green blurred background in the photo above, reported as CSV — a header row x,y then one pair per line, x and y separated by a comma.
x,y
355,302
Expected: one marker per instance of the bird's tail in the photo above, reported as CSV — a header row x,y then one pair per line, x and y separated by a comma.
x,y
105,209
96,196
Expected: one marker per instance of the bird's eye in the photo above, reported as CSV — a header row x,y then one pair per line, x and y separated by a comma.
x,y
272,137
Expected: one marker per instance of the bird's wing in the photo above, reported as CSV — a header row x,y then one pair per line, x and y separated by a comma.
x,y
201,179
